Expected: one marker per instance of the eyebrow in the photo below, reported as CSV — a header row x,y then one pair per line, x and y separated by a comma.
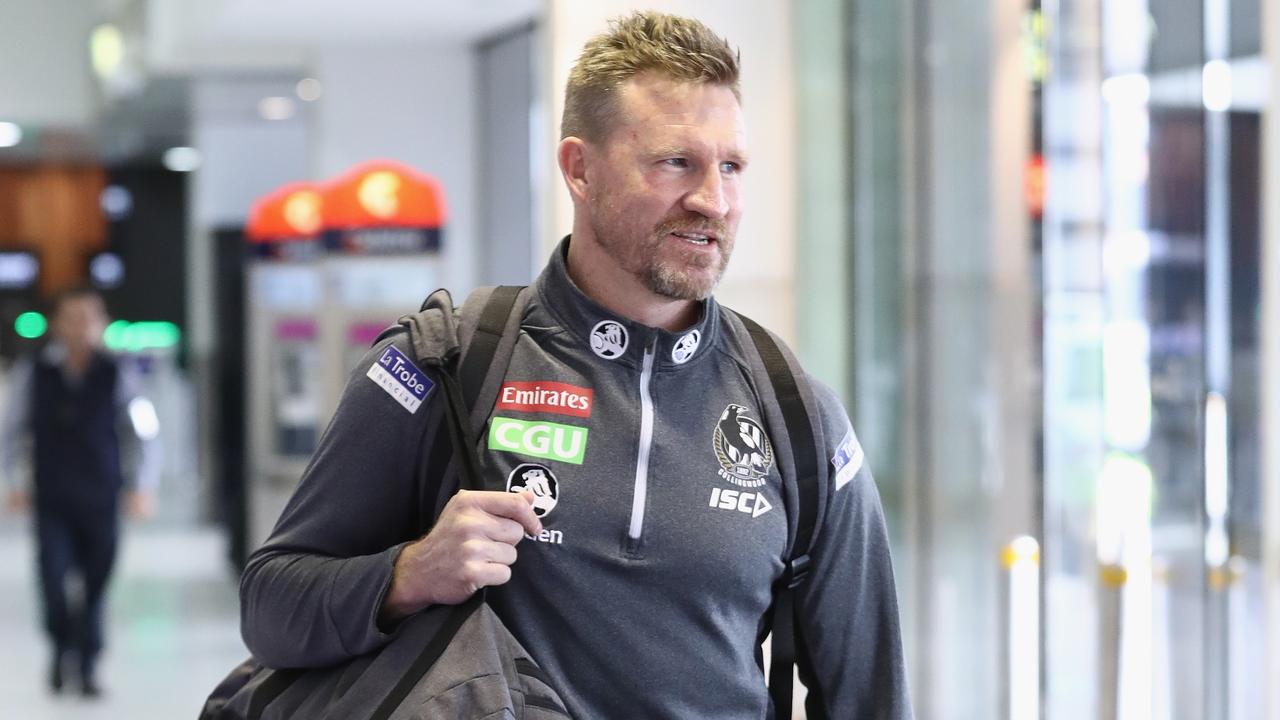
x,y
682,151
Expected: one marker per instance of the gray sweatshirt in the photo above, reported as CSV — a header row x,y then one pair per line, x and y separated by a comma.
x,y
664,512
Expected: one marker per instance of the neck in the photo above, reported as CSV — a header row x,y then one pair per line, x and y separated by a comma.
x,y
609,285
78,357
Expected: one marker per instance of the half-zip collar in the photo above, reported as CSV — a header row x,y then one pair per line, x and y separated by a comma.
x,y
618,339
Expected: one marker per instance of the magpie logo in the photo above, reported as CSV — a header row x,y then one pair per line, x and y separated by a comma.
x,y
685,347
608,339
539,480
742,447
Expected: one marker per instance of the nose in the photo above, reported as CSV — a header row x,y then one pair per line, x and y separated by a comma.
x,y
708,197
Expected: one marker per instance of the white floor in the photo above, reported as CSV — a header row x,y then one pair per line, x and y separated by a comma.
x,y
173,628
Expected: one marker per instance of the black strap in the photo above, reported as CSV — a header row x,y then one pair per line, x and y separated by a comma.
x,y
805,457
429,655
475,366
276,682
484,342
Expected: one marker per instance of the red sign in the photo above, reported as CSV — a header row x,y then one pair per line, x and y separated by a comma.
x,y
547,397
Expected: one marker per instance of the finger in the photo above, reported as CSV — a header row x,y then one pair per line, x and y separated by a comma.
x,y
488,574
502,553
502,530
517,507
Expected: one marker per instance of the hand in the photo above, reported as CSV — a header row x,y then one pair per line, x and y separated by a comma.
x,y
18,501
141,504
472,546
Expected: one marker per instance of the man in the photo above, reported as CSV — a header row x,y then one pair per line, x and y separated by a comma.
x,y
80,408
627,416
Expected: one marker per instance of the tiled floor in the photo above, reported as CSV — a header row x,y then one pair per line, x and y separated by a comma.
x,y
173,630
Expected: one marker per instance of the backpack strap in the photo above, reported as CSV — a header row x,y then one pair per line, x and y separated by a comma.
x,y
462,346
804,454
484,341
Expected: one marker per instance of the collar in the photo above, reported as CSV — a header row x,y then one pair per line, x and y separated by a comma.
x,y
609,337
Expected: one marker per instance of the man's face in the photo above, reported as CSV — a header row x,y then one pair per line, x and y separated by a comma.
x,y
79,322
664,194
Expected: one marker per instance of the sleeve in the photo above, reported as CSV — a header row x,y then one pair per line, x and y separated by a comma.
x,y
851,656
310,596
15,424
139,430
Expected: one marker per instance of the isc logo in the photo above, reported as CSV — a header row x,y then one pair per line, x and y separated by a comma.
x,y
753,504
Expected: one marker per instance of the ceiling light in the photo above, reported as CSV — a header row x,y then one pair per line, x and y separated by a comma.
x,y
309,89
275,108
1216,86
10,134
106,50
181,159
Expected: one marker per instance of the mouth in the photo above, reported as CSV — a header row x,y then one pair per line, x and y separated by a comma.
x,y
695,238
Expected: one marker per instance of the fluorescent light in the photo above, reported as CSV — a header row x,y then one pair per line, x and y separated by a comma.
x,y
106,50
275,108
1216,85
181,159
10,134
309,89
1128,89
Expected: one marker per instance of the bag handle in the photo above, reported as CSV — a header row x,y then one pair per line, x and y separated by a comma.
x,y
460,395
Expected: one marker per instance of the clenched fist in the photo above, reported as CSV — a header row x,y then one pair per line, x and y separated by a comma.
x,y
472,546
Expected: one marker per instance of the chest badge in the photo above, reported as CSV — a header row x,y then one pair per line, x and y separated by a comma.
x,y
539,480
742,448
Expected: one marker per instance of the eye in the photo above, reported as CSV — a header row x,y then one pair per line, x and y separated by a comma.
x,y
730,168
677,162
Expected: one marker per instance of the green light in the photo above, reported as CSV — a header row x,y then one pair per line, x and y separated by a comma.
x,y
30,325
113,336
124,336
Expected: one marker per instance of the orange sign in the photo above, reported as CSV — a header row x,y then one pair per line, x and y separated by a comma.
x,y
292,212
383,194
1034,185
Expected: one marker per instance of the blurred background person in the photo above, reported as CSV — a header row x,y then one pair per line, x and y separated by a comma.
x,y
80,410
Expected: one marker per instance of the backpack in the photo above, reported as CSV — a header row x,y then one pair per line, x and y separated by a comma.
x,y
488,328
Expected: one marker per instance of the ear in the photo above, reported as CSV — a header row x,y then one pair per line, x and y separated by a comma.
x,y
572,156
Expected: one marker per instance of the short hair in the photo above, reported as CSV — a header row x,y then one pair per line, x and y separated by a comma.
x,y
677,47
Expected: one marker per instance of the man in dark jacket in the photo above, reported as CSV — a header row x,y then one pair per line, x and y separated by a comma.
x,y
643,493
80,408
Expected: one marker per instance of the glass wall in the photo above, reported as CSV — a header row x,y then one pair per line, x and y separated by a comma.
x,y
1054,218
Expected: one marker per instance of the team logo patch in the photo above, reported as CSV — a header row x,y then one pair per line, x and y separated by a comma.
x,y
742,447
547,397
685,347
609,339
848,459
552,441
403,381
539,480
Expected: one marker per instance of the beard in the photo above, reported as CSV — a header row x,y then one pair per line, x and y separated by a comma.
x,y
670,269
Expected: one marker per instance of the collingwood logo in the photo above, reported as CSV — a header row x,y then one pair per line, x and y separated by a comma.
x,y
608,339
742,448
686,347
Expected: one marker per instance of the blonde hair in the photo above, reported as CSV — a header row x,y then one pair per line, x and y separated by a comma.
x,y
676,47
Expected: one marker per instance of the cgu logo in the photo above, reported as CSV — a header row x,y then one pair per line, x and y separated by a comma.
x,y
753,504
551,441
